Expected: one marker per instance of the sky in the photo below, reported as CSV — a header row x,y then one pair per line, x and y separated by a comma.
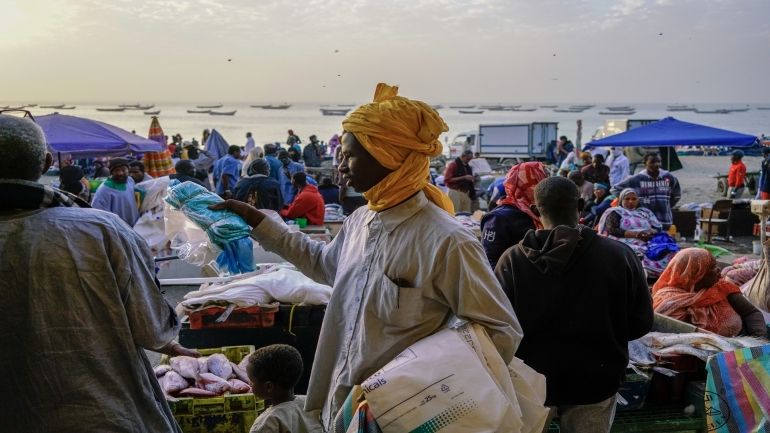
x,y
338,50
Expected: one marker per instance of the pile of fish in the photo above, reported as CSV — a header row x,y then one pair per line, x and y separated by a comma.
x,y
210,376
641,352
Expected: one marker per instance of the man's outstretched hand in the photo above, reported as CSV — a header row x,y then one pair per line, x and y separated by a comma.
x,y
249,214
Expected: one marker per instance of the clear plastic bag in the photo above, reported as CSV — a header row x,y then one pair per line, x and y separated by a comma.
x,y
192,227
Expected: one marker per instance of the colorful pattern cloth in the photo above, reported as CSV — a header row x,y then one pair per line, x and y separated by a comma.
x,y
520,188
736,391
674,294
636,220
355,416
158,164
402,135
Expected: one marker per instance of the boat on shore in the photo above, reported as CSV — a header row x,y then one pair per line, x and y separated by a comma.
x,y
199,111
68,108
111,109
333,112
462,106
50,106
276,107
209,106
223,113
152,113
471,111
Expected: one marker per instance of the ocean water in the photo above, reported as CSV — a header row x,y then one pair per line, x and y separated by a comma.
x,y
306,119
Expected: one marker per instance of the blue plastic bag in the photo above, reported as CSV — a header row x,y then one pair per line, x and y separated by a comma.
x,y
224,229
660,245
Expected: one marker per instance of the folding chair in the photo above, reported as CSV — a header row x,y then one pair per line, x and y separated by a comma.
x,y
719,207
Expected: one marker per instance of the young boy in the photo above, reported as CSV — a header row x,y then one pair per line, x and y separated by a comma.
x,y
737,175
273,372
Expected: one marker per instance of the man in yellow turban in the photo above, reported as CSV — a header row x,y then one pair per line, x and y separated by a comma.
x,y
402,267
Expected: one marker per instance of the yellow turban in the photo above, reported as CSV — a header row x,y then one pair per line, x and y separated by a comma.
x,y
402,135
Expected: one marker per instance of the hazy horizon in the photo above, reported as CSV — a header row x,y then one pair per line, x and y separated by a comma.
x,y
336,51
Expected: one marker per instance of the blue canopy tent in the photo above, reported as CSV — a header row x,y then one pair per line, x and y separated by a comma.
x,y
670,132
85,138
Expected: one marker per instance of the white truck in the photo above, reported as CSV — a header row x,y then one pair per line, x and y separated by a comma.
x,y
506,145
616,126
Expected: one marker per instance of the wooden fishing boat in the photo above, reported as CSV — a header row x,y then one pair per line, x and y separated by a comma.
x,y
32,105
763,108
621,108
223,113
152,113
548,106
276,107
258,106
111,109
50,106
209,106
617,113
15,108
720,111
436,107
346,105
68,108
524,109
471,111
680,108
569,110
199,111
333,112
462,106
129,105
145,107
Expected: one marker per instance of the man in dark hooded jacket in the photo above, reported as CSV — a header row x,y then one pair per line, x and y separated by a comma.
x,y
576,329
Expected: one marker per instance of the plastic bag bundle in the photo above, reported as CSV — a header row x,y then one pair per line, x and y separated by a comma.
x,y
225,230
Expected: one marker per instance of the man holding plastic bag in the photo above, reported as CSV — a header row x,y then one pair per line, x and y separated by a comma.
x,y
401,268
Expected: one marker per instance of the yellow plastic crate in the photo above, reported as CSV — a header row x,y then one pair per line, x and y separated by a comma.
x,y
226,414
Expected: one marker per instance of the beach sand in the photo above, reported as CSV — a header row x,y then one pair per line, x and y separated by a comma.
x,y
694,178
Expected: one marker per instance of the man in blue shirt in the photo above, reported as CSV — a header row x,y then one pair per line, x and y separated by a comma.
x,y
288,168
227,171
764,176
275,165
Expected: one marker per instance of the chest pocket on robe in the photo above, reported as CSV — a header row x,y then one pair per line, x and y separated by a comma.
x,y
398,306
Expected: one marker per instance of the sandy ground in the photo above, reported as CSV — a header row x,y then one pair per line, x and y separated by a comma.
x,y
695,178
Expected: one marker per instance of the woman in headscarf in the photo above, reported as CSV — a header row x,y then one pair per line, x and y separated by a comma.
x,y
254,154
595,208
691,290
634,225
507,224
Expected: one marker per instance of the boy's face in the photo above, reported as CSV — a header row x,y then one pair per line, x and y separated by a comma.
x,y
261,390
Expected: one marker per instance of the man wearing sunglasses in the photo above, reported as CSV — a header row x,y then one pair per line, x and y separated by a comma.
x,y
80,303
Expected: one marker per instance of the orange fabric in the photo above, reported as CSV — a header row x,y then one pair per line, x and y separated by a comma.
x,y
674,294
737,174
401,134
615,202
764,195
158,164
520,188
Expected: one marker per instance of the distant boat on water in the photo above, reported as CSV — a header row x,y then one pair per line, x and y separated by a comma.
x,y
436,107
111,109
569,110
32,105
462,106
763,108
15,108
129,105
50,106
257,106
626,108
680,108
276,107
152,113
199,111
144,107
209,106
524,109
719,111
222,113
617,113
68,108
333,112
581,107
548,106
471,111
346,105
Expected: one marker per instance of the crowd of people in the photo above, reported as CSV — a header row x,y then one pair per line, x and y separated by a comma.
x,y
267,177
80,293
